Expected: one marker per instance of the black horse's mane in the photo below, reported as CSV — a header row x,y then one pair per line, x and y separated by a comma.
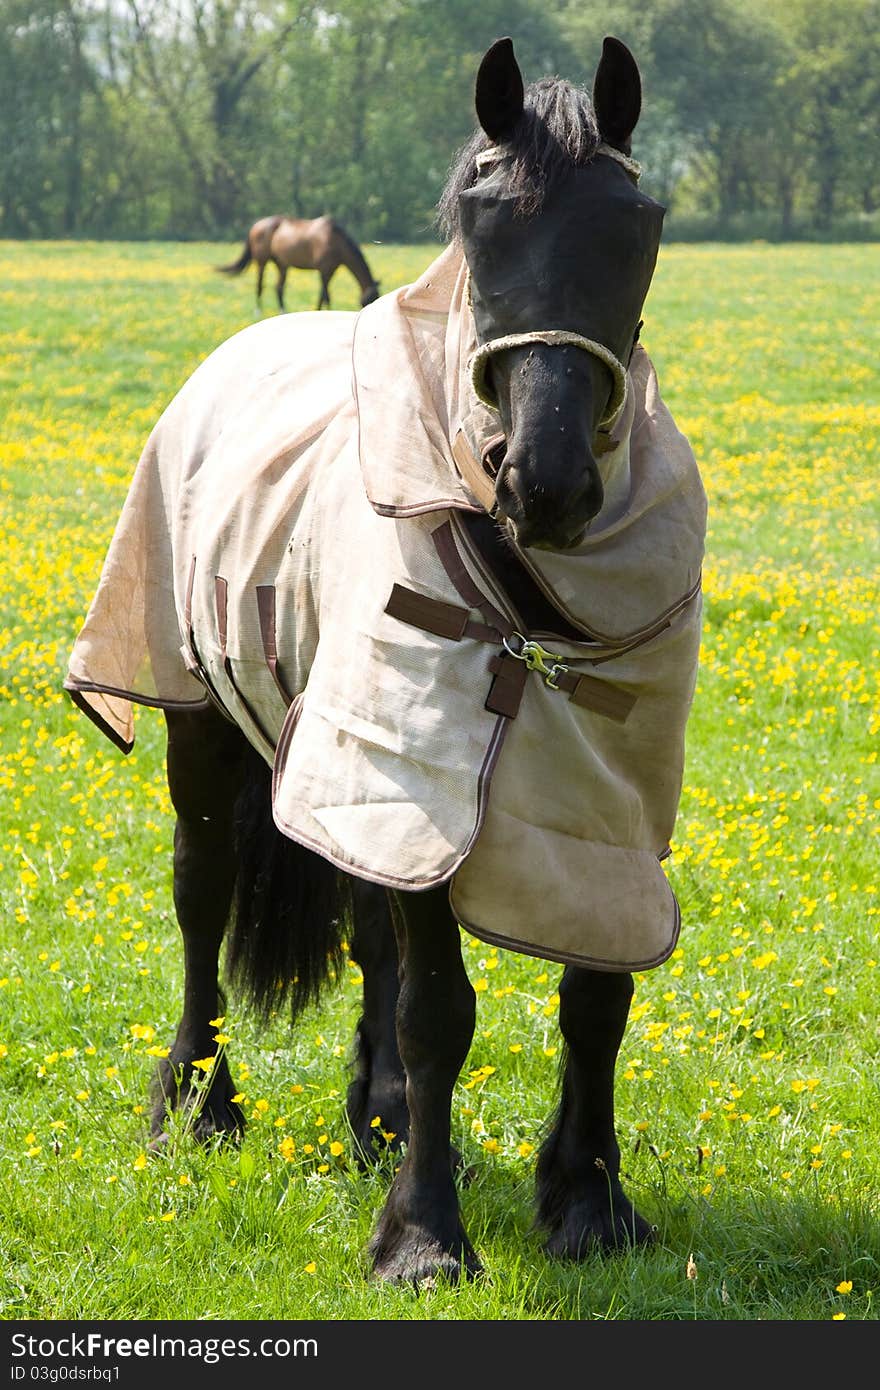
x,y
557,129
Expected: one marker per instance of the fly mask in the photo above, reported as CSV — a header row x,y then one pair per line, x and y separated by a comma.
x,y
571,278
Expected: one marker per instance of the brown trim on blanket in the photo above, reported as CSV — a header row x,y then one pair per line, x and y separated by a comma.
x,y
630,640
481,540
484,779
569,957
78,689
266,610
444,544
442,504
123,744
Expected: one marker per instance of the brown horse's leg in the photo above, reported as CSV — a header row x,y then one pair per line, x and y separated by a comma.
x,y
204,764
419,1233
279,288
378,1090
261,270
581,1203
324,296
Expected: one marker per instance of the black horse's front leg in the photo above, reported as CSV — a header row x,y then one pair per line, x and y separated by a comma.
x,y
581,1203
205,767
419,1234
378,1089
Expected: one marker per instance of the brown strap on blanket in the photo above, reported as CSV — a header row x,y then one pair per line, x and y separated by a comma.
x,y
432,614
596,695
506,691
220,605
444,544
266,610
509,672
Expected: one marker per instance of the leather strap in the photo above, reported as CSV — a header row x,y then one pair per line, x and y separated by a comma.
x,y
509,672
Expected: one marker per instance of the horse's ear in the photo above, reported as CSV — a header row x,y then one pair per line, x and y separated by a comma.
x,y
499,91
617,94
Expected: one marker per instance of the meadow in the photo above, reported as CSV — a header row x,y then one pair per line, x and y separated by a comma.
x,y
748,1104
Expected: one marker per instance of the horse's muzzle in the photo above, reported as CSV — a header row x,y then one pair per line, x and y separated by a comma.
x,y
543,517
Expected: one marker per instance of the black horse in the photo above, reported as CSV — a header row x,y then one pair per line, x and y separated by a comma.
x,y
555,234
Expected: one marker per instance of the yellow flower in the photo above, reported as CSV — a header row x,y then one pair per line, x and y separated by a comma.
x,y
310,1268
140,1162
336,1148
845,1286
204,1064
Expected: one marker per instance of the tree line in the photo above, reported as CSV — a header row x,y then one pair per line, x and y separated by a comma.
x,y
191,118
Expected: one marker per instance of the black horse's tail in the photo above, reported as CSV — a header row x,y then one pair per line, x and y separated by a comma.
x,y
236,267
290,909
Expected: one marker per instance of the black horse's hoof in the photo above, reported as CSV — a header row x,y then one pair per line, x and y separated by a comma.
x,y
591,1228
420,1260
209,1117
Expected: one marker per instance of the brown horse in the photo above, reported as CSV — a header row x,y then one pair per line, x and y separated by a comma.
x,y
299,244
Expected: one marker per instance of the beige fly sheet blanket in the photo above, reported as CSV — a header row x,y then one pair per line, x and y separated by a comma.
x,y
294,547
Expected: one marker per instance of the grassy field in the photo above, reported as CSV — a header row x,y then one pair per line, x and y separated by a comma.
x,y
748,1104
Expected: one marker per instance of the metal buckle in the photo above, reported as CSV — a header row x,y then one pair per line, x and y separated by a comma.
x,y
536,657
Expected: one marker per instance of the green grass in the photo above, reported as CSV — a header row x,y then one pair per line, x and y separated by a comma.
x,y
748,1104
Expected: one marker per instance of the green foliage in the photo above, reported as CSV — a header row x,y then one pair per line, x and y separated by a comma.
x,y
149,120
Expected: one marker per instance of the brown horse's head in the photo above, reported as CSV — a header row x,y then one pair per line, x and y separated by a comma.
x,y
561,246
